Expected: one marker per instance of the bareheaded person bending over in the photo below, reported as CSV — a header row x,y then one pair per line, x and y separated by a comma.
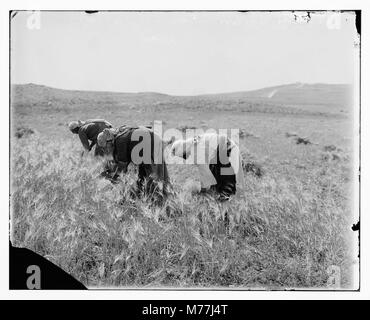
x,y
140,146
88,131
218,160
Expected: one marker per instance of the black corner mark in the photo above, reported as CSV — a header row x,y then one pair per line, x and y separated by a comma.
x,y
28,270
13,13
307,17
356,227
358,21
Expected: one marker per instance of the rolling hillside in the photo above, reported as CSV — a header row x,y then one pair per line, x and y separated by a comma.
x,y
297,94
290,95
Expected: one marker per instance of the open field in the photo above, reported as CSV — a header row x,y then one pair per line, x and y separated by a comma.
x,y
294,223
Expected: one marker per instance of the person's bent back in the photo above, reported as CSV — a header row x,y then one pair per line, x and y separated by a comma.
x,y
88,131
140,146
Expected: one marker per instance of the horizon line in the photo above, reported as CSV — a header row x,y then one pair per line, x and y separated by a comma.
x,y
186,95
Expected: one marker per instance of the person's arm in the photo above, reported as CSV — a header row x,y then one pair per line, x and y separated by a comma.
x,y
121,167
84,139
92,144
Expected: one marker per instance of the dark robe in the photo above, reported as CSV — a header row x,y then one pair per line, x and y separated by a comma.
x,y
226,184
151,165
90,131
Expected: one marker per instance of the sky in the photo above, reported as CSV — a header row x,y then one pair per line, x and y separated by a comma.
x,y
182,53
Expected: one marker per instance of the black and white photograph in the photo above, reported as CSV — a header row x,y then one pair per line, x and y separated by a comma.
x,y
186,149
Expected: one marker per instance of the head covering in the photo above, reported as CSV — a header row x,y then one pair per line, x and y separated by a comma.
x,y
105,136
181,147
74,124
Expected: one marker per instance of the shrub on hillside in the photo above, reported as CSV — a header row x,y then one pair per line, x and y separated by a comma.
x,y
250,165
300,140
21,132
244,134
183,128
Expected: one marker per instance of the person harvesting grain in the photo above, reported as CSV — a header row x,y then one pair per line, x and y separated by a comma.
x,y
88,131
218,160
140,146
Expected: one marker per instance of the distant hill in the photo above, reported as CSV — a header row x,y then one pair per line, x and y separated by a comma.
x,y
34,92
290,98
296,93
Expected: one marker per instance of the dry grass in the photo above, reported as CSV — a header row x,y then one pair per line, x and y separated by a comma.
x,y
284,234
